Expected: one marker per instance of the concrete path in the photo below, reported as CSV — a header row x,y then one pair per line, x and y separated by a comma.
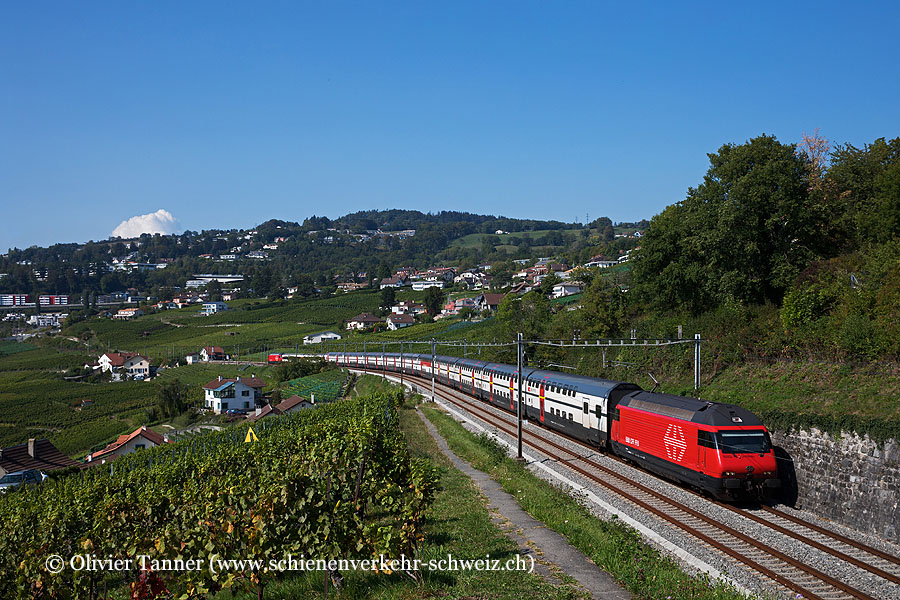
x,y
552,553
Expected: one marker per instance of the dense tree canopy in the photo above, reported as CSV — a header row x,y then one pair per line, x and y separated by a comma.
x,y
743,234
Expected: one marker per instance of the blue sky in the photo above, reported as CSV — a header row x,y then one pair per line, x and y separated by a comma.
x,y
228,114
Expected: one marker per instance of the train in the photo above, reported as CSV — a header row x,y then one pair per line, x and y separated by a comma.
x,y
721,449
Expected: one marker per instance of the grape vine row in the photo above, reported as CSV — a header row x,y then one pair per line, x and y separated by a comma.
x,y
331,483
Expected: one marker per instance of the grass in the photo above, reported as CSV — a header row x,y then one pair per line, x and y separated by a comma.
x,y
612,546
369,384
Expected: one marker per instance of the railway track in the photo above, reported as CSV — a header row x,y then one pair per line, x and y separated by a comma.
x,y
740,544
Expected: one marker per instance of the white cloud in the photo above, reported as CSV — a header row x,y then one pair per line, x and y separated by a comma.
x,y
161,221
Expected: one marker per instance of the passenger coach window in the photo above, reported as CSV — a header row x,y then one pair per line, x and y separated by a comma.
x,y
585,408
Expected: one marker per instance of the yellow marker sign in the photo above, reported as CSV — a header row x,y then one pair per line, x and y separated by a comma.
x,y
251,436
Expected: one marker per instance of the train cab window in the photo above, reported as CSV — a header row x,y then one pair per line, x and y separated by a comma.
x,y
705,439
754,441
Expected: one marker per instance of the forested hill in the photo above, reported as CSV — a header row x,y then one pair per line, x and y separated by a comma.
x,y
396,220
280,253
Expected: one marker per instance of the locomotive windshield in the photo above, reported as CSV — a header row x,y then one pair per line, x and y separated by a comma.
x,y
743,442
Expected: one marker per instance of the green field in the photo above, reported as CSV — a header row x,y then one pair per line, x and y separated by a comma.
x,y
249,326
12,347
325,387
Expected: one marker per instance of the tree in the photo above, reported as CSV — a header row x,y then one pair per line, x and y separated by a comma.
x,y
172,399
214,288
388,297
466,313
384,270
601,223
603,309
433,300
862,190
528,314
547,283
742,235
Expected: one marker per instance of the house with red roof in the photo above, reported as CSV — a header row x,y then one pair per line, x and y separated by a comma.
x,y
294,404
489,301
396,321
127,443
363,321
243,393
129,363
209,353
36,454
266,411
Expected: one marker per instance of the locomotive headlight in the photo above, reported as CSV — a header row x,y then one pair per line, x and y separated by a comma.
x,y
770,473
729,473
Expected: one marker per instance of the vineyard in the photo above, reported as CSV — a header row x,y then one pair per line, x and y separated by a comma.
x,y
334,483
40,404
13,347
326,386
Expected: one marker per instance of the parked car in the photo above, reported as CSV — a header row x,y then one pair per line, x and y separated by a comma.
x,y
15,480
236,411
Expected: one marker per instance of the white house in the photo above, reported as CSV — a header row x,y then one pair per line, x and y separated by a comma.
x,y
128,313
208,353
408,307
418,286
317,338
242,392
192,358
47,320
211,308
393,282
363,321
566,289
127,443
130,363
395,321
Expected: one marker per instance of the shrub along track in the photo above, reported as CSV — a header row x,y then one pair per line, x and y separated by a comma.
x,y
786,571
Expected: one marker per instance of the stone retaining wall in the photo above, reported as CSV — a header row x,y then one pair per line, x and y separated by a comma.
x,y
850,479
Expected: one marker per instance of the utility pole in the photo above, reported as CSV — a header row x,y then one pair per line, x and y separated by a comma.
x,y
696,361
401,369
432,369
519,402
